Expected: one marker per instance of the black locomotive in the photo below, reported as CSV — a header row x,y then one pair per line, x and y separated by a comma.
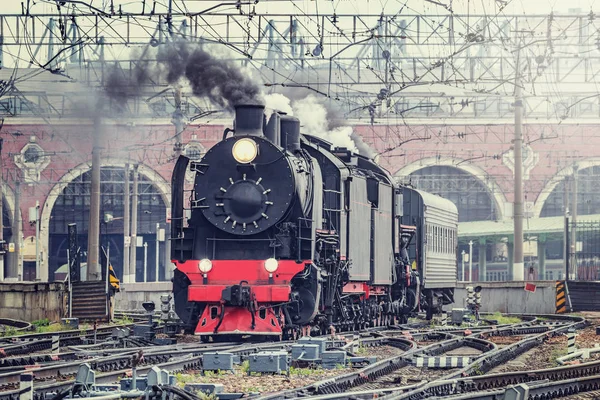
x,y
282,232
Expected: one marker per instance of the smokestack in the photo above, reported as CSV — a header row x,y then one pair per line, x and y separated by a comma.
x,y
290,133
249,119
273,129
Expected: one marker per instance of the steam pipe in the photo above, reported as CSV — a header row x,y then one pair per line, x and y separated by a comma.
x,y
227,130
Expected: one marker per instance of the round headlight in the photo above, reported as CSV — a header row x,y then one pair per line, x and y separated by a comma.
x,y
271,265
245,150
205,265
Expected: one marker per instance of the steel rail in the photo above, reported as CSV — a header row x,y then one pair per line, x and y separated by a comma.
x,y
340,384
15,323
448,384
103,330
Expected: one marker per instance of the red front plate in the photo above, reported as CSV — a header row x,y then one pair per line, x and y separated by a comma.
x,y
232,272
226,273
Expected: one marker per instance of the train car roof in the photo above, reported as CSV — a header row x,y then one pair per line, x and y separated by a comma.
x,y
361,162
433,200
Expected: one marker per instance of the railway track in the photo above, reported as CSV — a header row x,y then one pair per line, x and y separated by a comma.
x,y
444,385
393,377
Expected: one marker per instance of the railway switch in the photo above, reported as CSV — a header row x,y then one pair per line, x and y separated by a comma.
x,y
269,362
319,341
305,352
331,359
217,361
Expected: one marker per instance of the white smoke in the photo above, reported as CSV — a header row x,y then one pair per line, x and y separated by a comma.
x,y
313,117
278,102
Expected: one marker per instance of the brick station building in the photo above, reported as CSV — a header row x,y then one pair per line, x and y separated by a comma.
x,y
47,161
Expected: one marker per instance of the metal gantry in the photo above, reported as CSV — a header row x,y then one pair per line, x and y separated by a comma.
x,y
371,65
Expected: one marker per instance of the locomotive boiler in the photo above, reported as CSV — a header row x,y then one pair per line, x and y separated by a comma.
x,y
282,232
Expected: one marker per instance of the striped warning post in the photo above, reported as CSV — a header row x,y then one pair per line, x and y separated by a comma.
x,y
571,341
26,386
561,298
442,362
55,344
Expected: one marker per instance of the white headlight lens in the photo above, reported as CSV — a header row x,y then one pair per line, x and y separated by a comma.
x,y
205,265
245,150
271,265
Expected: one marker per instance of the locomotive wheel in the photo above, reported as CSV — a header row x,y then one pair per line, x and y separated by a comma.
x,y
306,306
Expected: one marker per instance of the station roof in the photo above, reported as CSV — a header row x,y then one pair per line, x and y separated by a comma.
x,y
532,227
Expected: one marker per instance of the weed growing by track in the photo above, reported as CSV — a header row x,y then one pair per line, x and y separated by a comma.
x,y
502,319
38,326
125,320
556,353
206,396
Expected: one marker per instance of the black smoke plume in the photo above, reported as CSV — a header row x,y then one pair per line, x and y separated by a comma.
x,y
121,85
218,80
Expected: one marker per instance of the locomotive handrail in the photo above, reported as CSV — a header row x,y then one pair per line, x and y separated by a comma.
x,y
309,223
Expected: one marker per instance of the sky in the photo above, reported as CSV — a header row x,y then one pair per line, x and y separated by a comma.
x,y
344,6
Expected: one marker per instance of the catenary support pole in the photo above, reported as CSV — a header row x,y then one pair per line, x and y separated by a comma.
x,y
145,262
574,224
470,261
541,249
134,212
37,241
463,265
482,260
156,253
93,248
518,273
2,255
126,230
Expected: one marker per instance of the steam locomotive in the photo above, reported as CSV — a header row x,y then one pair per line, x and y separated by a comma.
x,y
284,233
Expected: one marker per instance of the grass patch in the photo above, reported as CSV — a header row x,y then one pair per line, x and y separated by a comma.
x,y
245,367
183,379
206,396
39,326
502,319
362,351
305,371
557,352
10,331
125,320
52,328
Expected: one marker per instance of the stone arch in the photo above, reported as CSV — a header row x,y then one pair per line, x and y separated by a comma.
x,y
495,191
57,189
548,189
